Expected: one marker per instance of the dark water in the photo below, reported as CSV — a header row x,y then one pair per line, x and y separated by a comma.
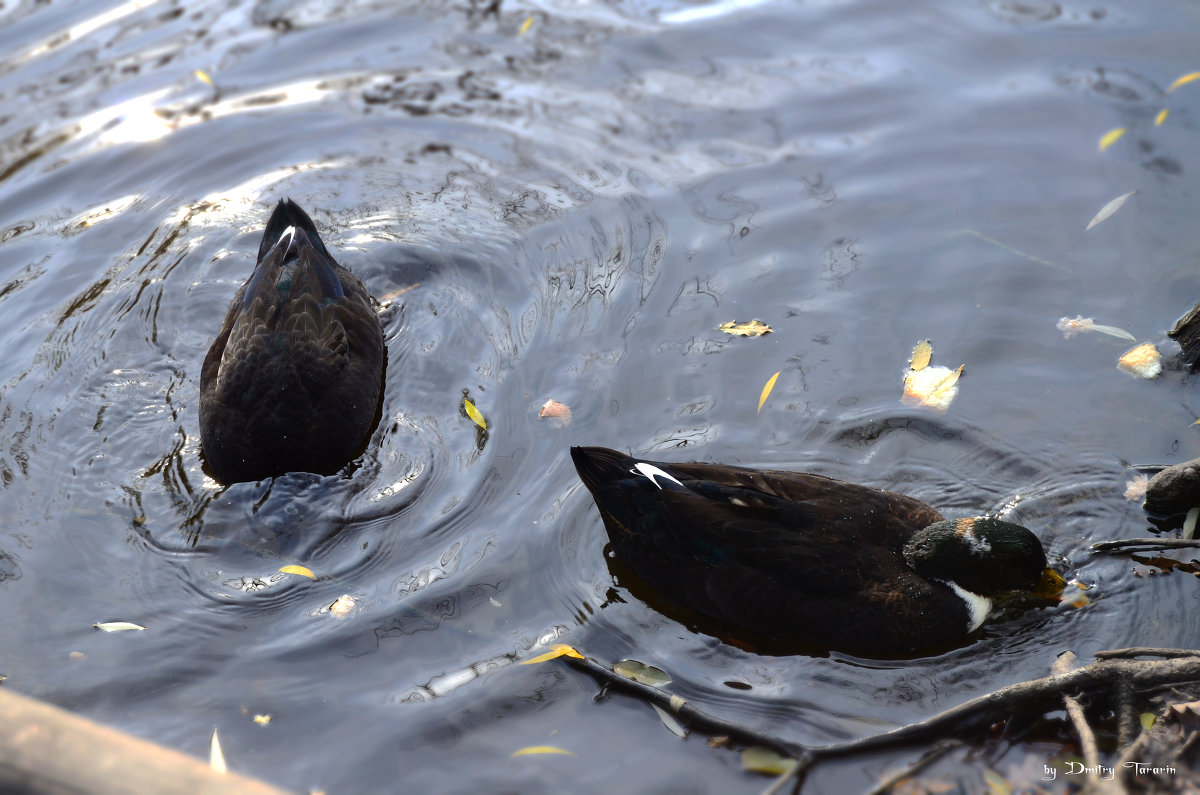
x,y
571,210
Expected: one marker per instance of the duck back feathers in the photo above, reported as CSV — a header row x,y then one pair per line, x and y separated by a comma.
x,y
294,378
790,555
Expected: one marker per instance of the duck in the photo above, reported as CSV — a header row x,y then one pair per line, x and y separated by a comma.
x,y
806,558
294,380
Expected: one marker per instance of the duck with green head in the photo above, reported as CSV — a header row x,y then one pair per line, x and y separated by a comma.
x,y
809,558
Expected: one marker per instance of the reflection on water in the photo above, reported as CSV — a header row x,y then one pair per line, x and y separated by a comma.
x,y
564,202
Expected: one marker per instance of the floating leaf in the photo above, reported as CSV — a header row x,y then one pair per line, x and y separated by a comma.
x,y
921,356
640,672
202,76
342,606
216,759
301,570
763,760
996,783
117,626
558,650
926,385
669,721
560,413
1070,326
1179,81
474,414
397,293
526,25
1144,361
1189,523
262,720
766,392
1109,209
534,750
1147,719
753,328
1135,489
1111,137
1161,117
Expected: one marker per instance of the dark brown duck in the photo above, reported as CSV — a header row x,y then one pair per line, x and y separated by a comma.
x,y
807,558
294,379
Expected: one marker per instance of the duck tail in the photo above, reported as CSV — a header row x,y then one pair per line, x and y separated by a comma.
x,y
288,214
599,465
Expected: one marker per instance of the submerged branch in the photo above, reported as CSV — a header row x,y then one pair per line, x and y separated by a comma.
x,y
1114,673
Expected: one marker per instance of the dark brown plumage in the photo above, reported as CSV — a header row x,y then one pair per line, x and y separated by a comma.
x,y
804,557
294,379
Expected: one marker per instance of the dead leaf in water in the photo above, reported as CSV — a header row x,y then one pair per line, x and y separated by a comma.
x,y
216,758
1071,326
534,750
342,606
1111,137
757,759
301,570
558,650
117,626
474,414
640,672
766,392
932,386
1144,361
559,413
1184,80
752,328
1108,209
669,721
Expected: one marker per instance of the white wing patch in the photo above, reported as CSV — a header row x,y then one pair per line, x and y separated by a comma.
x,y
650,471
978,607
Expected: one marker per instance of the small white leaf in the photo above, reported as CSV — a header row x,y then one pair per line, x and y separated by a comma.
x,y
117,626
670,721
216,759
1109,209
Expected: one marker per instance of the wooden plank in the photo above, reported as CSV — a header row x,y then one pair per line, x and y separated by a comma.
x,y
46,750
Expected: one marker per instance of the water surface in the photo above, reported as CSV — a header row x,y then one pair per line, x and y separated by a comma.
x,y
563,200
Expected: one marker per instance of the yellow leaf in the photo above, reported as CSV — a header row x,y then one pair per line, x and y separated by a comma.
x,y
1147,719
921,355
1111,137
1179,81
996,783
202,76
526,25
752,328
762,760
950,380
558,650
1161,117
303,572
934,387
767,391
262,720
474,414
541,749
216,759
